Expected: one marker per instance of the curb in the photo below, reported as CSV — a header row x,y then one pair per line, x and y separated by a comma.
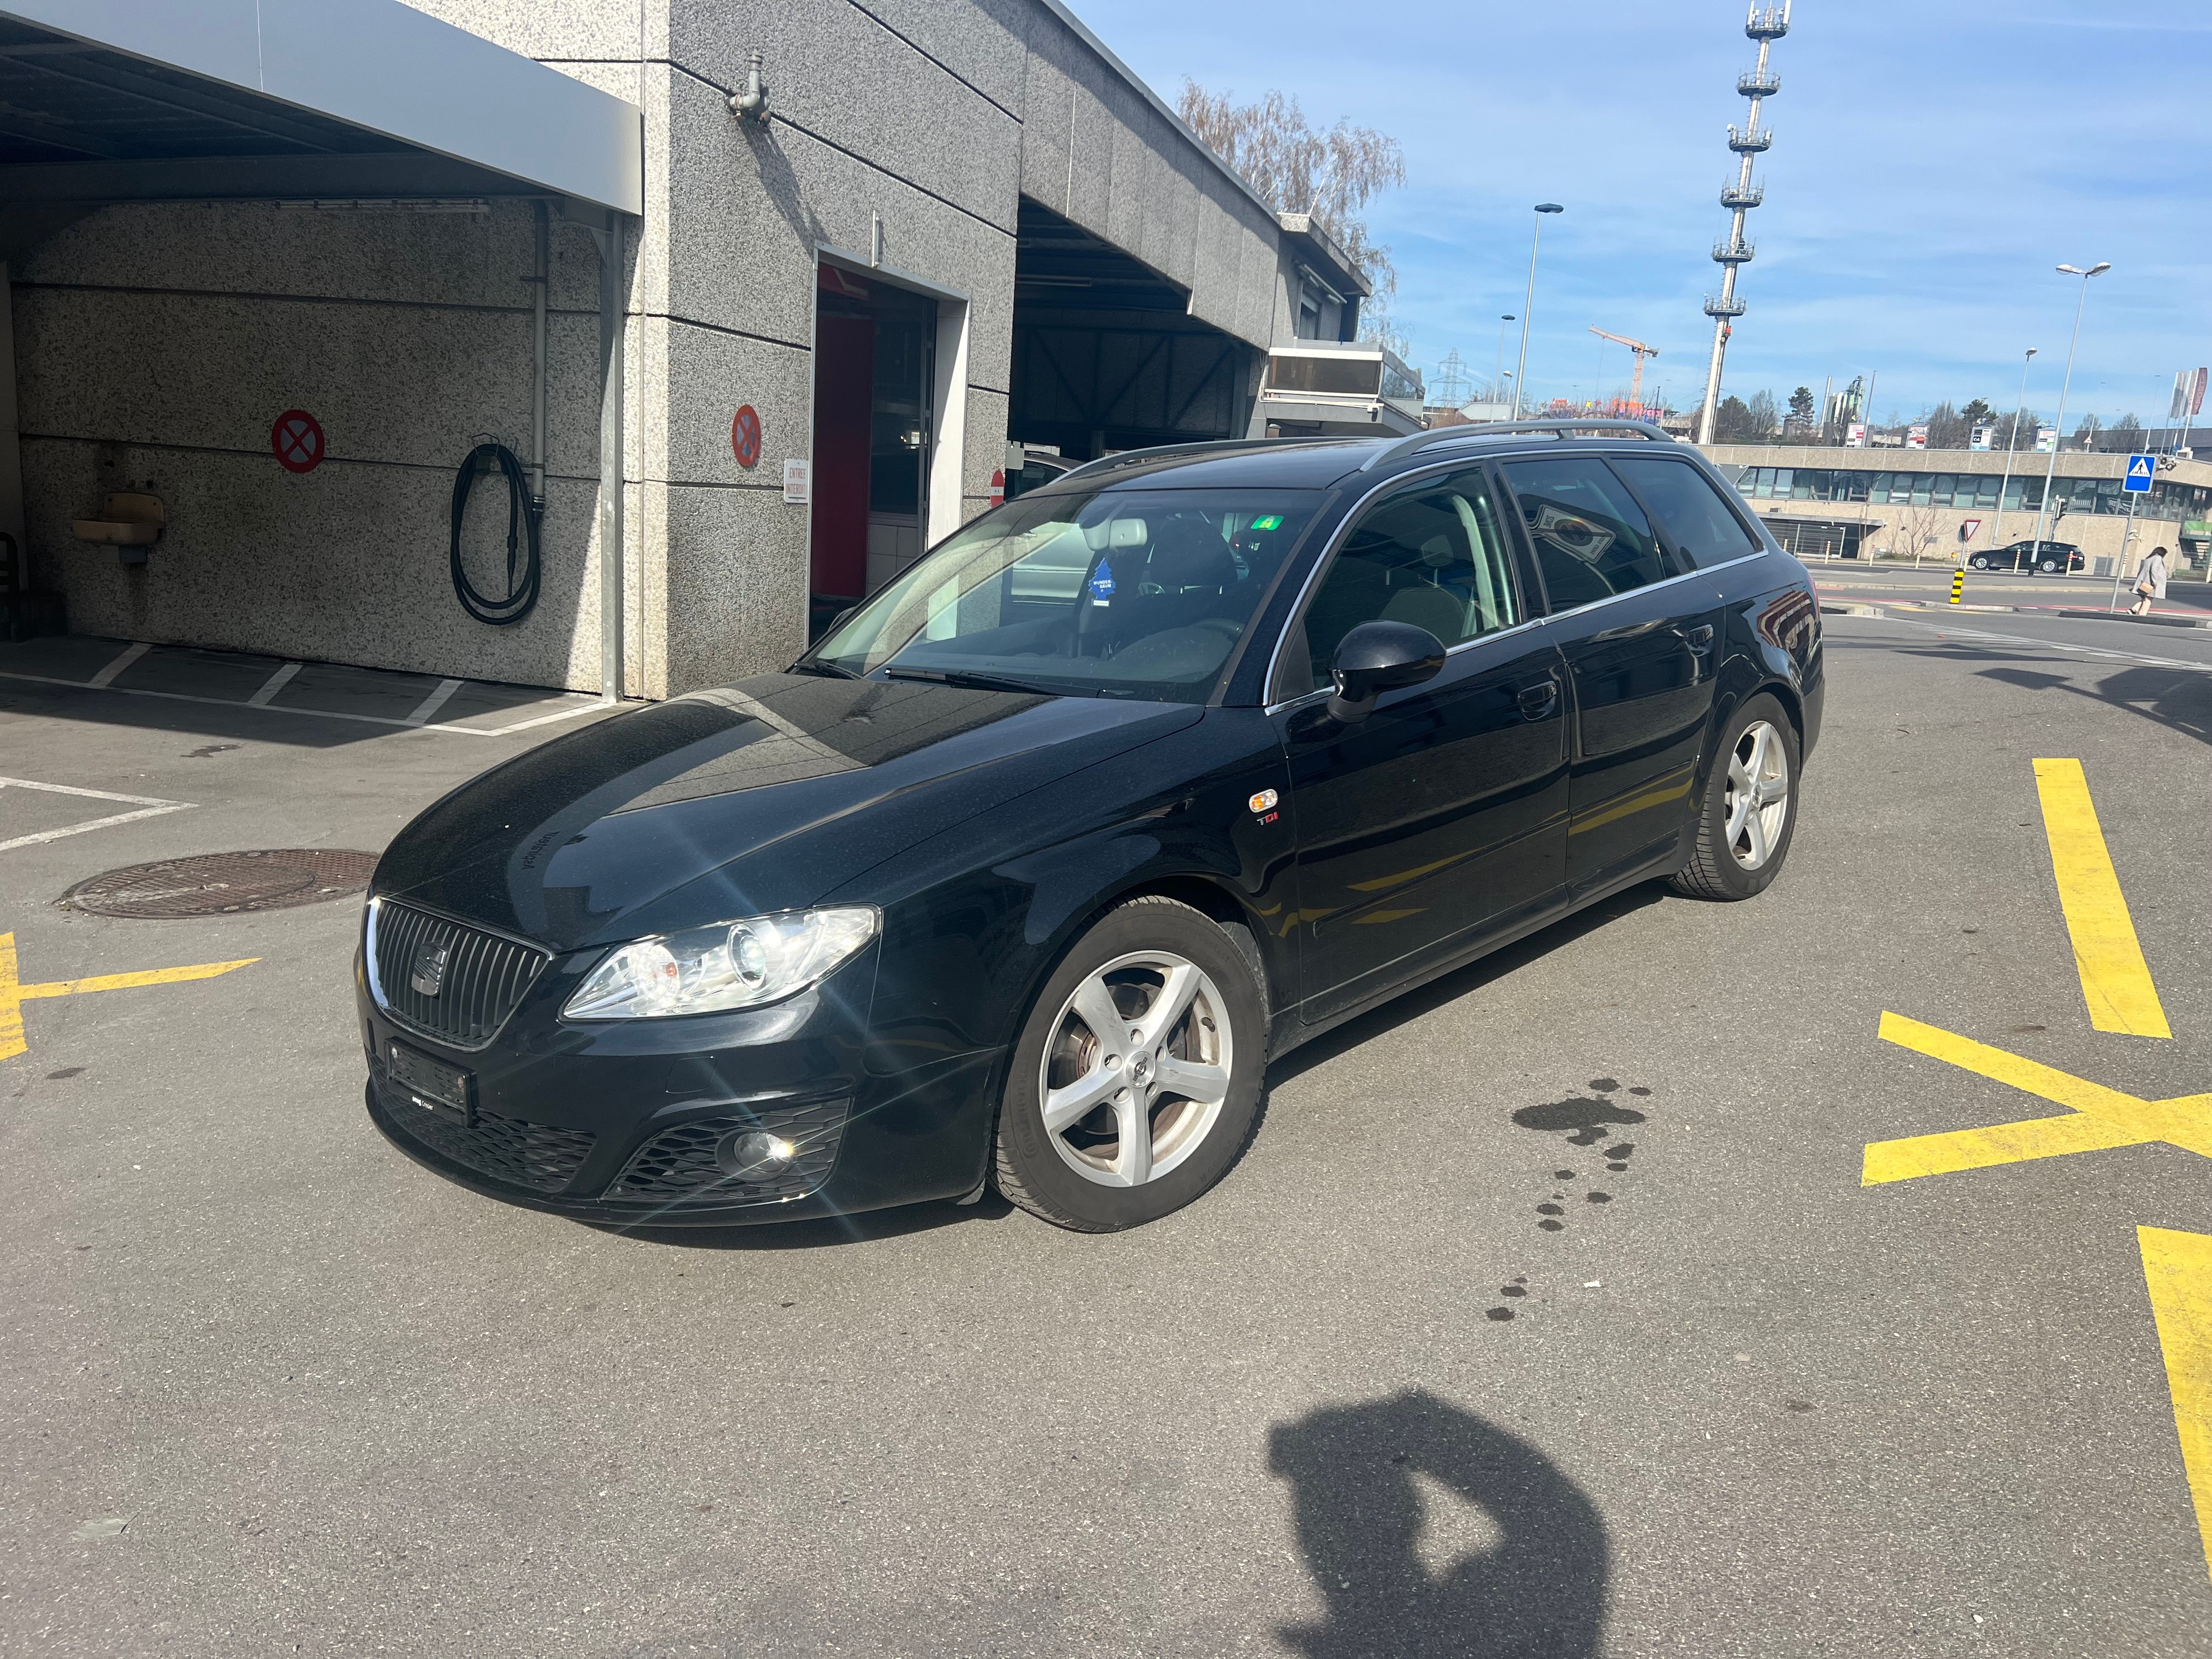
x,y
1838,608
1923,604
2154,620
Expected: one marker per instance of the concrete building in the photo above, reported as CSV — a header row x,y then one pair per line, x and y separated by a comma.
x,y
1824,503
801,335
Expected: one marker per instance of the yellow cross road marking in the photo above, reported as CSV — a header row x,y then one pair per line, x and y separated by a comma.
x,y
2177,1268
14,993
2115,979
2102,1117
2116,983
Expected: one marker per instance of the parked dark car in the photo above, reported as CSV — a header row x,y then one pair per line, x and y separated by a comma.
x,y
2048,558
1022,875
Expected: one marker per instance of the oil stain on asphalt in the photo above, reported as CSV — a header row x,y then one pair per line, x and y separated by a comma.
x,y
1585,1121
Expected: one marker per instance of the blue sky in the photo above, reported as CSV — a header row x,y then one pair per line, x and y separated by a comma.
x,y
1933,162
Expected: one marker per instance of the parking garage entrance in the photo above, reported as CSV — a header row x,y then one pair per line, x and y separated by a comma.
x,y
1106,355
875,375
1822,538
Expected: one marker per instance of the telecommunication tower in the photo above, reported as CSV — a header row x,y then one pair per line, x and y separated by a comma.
x,y
1765,25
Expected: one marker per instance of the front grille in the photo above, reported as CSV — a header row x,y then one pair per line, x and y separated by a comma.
x,y
523,1154
484,975
677,1166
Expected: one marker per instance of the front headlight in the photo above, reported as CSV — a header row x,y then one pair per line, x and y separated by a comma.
x,y
732,965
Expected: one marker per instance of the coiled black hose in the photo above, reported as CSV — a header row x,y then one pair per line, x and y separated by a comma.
x,y
521,597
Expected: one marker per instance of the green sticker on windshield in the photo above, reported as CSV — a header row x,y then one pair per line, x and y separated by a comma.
x,y
1272,522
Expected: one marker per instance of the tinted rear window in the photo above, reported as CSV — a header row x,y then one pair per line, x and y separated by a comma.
x,y
1688,508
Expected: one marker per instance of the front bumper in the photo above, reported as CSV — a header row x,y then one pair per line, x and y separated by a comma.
x,y
620,1121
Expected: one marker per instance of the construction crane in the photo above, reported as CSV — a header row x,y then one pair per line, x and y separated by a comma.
x,y
1642,351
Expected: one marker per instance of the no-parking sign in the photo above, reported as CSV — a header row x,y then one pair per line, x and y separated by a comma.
x,y
745,436
296,440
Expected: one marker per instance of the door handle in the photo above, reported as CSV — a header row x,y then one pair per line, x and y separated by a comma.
x,y
1536,700
1700,638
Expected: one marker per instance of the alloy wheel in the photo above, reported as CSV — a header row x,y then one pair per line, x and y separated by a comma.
x,y
1137,1069
1758,802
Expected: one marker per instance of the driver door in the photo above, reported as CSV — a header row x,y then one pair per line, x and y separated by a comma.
x,y
1441,818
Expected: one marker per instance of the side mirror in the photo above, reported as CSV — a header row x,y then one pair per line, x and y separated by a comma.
x,y
1377,657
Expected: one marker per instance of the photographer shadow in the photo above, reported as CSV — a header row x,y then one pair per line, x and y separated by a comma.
x,y
1534,1588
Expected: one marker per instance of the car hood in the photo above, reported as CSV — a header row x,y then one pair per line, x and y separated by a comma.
x,y
748,798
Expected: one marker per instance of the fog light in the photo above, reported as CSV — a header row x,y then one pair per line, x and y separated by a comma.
x,y
754,1154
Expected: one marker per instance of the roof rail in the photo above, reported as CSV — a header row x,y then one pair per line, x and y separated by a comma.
x,y
1477,432
1137,457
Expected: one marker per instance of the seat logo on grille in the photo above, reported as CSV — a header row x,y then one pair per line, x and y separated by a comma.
x,y
427,973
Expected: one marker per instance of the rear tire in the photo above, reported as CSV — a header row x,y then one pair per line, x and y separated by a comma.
x,y
1750,810
2049,567
1154,1025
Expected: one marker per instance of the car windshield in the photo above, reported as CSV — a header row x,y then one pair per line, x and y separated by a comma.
x,y
1128,592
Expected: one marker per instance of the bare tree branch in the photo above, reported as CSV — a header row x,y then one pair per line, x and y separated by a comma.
x,y
1332,175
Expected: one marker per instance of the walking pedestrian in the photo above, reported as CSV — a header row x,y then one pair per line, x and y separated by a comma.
x,y
2150,582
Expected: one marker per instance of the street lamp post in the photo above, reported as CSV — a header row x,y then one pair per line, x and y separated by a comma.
x,y
1520,368
1497,374
2051,471
1997,535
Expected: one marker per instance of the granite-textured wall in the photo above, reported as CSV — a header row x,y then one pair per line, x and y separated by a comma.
x,y
157,344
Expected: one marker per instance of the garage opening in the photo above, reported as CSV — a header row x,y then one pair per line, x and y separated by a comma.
x,y
1821,538
875,386
1107,356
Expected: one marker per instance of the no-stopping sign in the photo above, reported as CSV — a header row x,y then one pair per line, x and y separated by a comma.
x,y
296,440
745,436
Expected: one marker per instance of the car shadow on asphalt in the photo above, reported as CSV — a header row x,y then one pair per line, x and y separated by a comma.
x,y
1378,1022
1376,1489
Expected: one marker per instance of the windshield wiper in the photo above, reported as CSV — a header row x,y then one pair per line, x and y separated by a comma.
x,y
827,670
973,682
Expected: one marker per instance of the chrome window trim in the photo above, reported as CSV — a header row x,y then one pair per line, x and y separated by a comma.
x,y
1534,621
1335,541
1449,651
1458,464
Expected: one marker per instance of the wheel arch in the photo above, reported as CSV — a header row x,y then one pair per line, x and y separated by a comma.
x,y
1203,891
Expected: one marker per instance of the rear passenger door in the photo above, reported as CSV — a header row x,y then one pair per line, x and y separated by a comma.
x,y
1441,818
1638,629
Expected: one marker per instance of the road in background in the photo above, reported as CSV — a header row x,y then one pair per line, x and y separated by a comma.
x,y
1548,1314
1931,584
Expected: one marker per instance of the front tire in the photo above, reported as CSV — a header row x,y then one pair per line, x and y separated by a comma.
x,y
1750,811
1981,564
1136,1080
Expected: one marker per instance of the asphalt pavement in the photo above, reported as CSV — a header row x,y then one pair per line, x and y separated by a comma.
x,y
1548,1314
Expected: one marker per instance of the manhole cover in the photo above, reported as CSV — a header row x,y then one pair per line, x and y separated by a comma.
x,y
217,884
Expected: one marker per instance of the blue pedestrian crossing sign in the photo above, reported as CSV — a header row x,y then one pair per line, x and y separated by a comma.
x,y
2141,468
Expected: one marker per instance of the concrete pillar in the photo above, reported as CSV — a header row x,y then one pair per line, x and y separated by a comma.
x,y
11,456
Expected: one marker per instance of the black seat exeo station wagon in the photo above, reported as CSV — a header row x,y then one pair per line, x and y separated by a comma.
x,y
1022,874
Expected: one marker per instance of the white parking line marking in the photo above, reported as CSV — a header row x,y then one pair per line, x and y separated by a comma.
x,y
594,707
431,704
128,655
276,683
2049,645
150,806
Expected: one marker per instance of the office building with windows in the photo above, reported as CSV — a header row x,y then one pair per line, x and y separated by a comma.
x,y
1949,504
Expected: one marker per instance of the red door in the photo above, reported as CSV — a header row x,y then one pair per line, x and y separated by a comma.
x,y
844,380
